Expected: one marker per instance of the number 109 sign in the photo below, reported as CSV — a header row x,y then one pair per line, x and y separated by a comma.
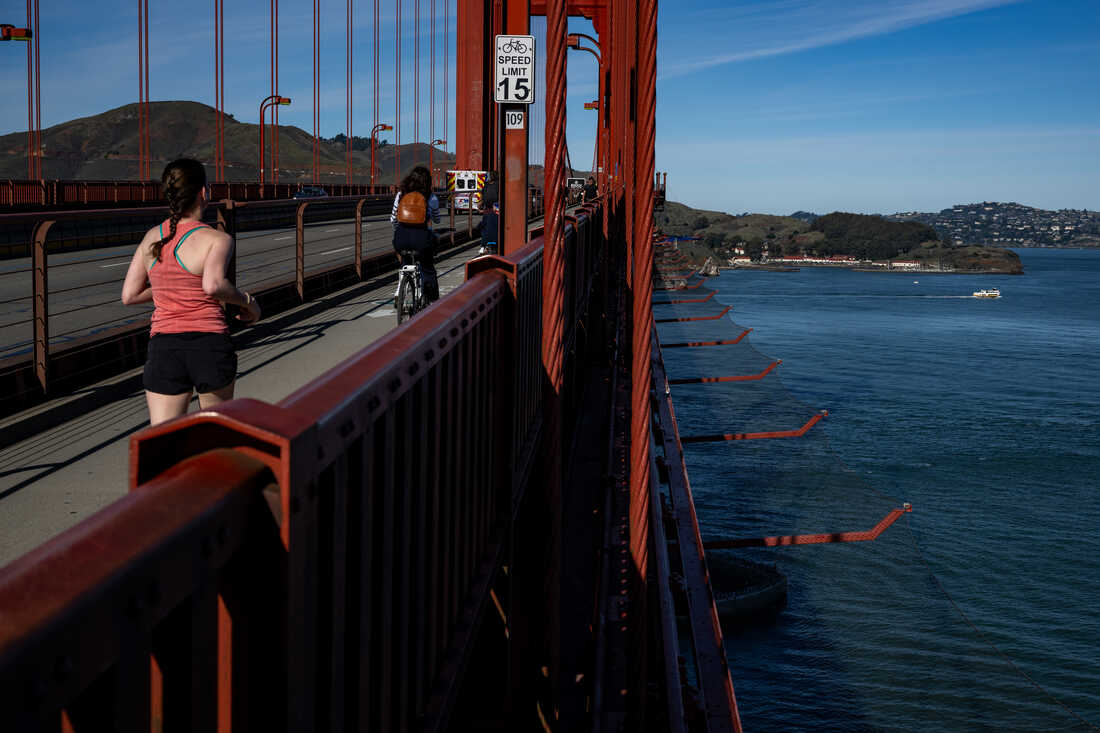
x,y
515,62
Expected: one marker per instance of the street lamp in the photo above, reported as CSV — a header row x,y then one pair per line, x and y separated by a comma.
x,y
11,33
573,40
269,102
373,142
431,151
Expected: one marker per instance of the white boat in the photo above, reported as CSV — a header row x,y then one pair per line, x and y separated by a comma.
x,y
987,293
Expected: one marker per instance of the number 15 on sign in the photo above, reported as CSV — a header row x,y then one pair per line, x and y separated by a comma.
x,y
515,66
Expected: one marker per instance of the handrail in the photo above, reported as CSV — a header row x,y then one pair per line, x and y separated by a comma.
x,y
81,614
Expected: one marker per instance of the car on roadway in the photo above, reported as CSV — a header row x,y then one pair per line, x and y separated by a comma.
x,y
310,192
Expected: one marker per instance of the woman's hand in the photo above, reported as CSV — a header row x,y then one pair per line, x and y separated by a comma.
x,y
249,313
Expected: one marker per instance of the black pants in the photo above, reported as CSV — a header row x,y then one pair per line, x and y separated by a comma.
x,y
420,240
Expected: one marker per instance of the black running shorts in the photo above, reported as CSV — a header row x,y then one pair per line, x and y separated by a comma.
x,y
180,362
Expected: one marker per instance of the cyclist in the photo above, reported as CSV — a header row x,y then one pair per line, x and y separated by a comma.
x,y
425,179
412,214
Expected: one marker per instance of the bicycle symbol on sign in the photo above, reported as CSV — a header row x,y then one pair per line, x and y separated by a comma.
x,y
514,45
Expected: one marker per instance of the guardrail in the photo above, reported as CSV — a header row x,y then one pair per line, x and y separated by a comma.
x,y
23,194
53,341
318,564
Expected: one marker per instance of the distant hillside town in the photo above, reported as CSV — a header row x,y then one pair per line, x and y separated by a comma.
x,y
1011,225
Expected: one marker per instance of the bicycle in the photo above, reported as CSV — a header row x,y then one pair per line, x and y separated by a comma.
x,y
409,298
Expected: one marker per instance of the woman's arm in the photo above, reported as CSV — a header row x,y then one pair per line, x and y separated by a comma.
x,y
135,289
217,285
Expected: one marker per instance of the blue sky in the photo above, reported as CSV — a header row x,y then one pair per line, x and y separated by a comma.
x,y
763,105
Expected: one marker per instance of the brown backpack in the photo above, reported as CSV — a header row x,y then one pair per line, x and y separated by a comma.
x,y
412,208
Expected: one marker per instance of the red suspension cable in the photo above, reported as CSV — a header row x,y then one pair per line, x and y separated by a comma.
x,y
148,109
416,75
275,84
431,66
347,143
446,65
37,97
316,93
397,97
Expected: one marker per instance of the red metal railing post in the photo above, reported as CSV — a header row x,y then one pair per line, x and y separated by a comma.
x,y
359,238
41,306
300,251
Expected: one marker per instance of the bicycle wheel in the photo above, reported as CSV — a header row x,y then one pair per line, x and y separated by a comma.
x,y
405,302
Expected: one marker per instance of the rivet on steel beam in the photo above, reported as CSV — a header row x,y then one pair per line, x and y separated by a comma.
x,y
347,428
429,355
454,333
413,368
465,323
373,403
442,342
394,384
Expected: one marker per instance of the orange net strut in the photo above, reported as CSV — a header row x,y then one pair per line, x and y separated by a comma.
x,y
741,378
724,342
694,318
812,539
757,436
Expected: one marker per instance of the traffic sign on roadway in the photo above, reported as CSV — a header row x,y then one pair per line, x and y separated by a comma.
x,y
515,64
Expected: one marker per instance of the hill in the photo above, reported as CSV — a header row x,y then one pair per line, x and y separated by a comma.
x,y
105,146
1011,225
866,238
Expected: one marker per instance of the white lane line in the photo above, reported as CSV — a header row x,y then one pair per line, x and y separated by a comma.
x,y
332,230
116,264
334,251
289,236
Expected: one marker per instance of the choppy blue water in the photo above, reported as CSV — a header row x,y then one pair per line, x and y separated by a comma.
x,y
986,416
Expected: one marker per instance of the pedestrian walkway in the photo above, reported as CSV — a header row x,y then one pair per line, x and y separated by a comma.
x,y
52,480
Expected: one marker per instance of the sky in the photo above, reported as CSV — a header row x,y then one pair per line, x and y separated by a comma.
x,y
763,105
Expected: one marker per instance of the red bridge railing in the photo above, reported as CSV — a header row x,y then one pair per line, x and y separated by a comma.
x,y
320,563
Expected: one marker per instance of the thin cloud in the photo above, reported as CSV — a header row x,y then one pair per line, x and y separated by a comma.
x,y
833,25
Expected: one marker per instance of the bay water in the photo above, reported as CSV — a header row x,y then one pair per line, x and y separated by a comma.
x,y
980,609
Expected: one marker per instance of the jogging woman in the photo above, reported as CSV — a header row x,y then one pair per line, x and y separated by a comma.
x,y
181,266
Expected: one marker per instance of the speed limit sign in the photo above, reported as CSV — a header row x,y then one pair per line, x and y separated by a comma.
x,y
515,65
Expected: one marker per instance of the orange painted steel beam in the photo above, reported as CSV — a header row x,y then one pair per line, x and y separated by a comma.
x,y
813,539
758,436
695,318
725,342
740,378
685,300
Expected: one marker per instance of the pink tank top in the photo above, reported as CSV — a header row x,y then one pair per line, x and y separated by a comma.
x,y
180,303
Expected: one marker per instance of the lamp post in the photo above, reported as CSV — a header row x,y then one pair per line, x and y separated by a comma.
x,y
271,101
573,40
373,144
431,157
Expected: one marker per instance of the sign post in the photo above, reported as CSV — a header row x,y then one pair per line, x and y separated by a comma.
x,y
513,90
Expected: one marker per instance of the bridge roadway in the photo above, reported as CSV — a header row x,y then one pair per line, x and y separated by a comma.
x,y
52,480
84,286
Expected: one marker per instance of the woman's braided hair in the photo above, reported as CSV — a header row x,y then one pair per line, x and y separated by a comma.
x,y
183,181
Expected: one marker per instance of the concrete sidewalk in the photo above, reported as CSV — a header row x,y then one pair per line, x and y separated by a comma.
x,y
52,480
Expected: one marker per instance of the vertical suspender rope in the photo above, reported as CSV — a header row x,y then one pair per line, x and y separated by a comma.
x,y
148,109
347,142
37,96
416,76
275,110
397,96
30,85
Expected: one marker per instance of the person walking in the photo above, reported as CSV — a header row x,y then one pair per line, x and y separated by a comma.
x,y
590,191
181,267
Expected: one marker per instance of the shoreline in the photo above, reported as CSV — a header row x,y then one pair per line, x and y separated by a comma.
x,y
885,271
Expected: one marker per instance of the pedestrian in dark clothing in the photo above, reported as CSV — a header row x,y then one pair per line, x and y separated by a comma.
x,y
491,193
489,230
590,191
